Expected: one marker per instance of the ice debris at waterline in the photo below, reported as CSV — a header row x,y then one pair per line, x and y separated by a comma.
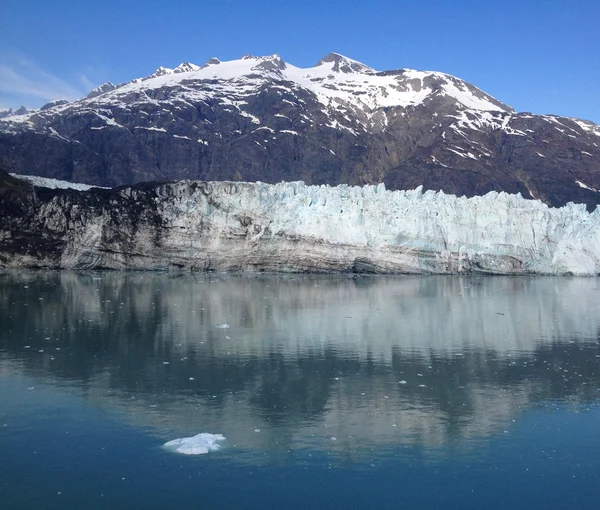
x,y
199,444
295,227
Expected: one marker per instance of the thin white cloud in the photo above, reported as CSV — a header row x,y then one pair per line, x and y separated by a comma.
x,y
85,82
24,82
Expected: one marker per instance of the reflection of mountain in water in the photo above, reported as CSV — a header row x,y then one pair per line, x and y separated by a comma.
x,y
308,355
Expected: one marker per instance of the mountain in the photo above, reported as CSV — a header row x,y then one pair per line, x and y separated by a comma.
x,y
262,119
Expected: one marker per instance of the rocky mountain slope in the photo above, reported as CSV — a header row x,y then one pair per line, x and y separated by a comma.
x,y
292,227
260,118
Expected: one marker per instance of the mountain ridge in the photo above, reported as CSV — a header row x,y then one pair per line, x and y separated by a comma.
x,y
260,118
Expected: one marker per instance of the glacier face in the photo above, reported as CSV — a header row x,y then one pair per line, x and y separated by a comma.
x,y
295,227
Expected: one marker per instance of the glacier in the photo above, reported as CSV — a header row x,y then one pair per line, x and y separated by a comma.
x,y
45,182
297,227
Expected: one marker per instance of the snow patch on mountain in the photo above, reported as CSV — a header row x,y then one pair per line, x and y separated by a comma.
x,y
588,126
585,186
44,182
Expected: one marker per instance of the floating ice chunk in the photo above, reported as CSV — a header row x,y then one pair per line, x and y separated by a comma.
x,y
222,326
199,444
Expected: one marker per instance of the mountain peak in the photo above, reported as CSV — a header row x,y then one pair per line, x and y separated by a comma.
x,y
270,62
186,67
342,64
101,89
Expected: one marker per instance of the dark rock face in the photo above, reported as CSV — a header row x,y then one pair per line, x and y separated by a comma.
x,y
339,122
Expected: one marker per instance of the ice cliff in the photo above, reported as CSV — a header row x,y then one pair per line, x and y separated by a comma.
x,y
295,227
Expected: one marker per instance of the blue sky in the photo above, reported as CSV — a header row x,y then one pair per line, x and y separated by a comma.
x,y
541,56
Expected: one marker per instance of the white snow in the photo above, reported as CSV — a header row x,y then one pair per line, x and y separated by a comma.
x,y
360,90
462,152
587,126
199,444
45,182
585,186
162,130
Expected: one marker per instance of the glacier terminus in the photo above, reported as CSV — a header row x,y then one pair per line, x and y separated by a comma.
x,y
292,226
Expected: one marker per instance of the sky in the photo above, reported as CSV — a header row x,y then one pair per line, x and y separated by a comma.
x,y
540,56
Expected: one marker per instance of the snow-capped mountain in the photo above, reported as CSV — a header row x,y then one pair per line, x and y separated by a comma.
x,y
260,118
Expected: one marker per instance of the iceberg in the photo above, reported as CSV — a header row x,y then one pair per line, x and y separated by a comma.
x,y
199,444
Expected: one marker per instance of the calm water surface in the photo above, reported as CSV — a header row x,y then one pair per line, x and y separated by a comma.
x,y
332,391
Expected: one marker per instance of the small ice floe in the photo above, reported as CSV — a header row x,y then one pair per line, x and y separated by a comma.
x,y
402,382
222,326
199,444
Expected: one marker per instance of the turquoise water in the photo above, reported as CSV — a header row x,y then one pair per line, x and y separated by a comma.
x,y
332,391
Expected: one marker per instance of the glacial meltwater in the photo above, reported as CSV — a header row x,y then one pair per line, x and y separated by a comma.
x,y
209,390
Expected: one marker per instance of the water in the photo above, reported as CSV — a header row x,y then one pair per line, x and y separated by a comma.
x,y
332,391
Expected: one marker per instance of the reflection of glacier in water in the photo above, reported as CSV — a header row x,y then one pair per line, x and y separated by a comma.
x,y
364,360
